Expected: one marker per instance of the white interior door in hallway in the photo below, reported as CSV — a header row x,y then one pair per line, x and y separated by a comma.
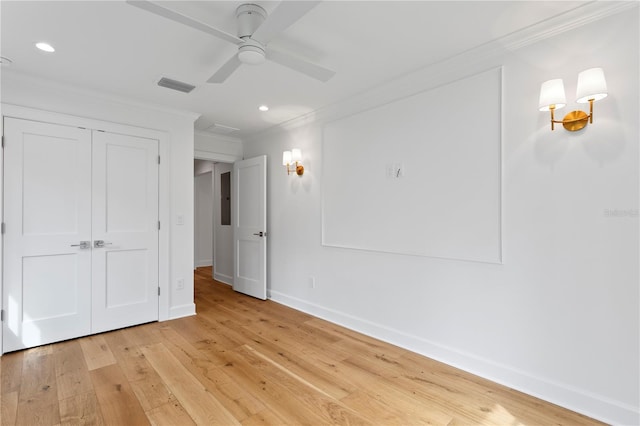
x,y
81,232
250,226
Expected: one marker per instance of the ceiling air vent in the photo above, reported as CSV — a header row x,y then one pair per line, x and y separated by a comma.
x,y
175,85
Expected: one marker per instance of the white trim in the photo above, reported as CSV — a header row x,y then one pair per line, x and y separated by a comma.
x,y
590,404
1,220
98,95
203,263
224,138
182,311
216,156
223,278
33,114
501,208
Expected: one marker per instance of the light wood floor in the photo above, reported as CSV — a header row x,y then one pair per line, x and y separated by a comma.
x,y
241,360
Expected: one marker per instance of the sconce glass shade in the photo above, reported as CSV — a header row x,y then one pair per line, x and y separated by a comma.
x,y
591,85
552,93
286,158
296,155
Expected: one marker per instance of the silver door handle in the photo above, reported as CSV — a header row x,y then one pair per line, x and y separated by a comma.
x,y
261,234
83,245
100,244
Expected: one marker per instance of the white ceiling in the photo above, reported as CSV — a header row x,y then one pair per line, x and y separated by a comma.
x,y
121,50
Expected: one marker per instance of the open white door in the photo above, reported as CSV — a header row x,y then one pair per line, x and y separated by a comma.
x,y
250,226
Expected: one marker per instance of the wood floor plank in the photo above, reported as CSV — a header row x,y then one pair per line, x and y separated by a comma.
x,y
205,368
96,352
304,393
201,406
170,414
38,397
11,371
118,403
264,418
144,380
81,409
72,375
9,408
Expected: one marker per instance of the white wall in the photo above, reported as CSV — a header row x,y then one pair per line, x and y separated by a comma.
x,y
223,234
560,318
32,93
203,214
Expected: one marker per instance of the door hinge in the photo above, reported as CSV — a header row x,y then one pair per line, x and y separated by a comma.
x,y
158,291
2,228
2,315
158,159
3,141
158,225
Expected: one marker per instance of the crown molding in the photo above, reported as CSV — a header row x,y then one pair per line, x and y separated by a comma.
x,y
214,136
9,75
439,73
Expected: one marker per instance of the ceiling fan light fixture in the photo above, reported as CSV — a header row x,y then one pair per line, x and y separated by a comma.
x,y
251,55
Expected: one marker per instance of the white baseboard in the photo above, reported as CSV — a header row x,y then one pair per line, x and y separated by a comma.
x,y
227,279
182,311
587,403
201,263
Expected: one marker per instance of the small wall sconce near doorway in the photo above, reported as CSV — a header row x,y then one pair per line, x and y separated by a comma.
x,y
293,157
591,87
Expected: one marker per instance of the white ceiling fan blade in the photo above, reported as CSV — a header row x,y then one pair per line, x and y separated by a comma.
x,y
226,70
285,14
183,19
300,65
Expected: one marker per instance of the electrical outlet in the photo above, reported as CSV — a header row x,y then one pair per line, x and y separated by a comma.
x,y
180,283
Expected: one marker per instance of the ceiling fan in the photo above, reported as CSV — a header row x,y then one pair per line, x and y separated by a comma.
x,y
255,30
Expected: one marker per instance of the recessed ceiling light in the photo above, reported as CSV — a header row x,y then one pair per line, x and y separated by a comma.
x,y
263,108
45,47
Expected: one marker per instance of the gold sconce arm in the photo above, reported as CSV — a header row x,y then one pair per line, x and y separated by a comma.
x,y
298,169
575,120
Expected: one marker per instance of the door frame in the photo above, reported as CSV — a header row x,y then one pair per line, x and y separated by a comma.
x,y
216,157
25,113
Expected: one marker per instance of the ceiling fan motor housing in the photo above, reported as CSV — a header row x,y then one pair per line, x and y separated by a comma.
x,y
251,53
250,17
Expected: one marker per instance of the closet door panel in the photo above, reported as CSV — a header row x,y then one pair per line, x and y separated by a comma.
x,y
125,231
47,214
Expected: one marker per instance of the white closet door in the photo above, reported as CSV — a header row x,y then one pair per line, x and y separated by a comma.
x,y
125,219
47,190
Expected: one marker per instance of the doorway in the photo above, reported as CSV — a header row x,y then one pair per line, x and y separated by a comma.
x,y
213,229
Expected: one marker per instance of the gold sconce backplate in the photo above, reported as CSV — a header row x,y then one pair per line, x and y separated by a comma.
x,y
575,120
299,170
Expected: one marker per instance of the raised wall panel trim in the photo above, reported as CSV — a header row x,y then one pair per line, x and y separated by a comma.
x,y
422,217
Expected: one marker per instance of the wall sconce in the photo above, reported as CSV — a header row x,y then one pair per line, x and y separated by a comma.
x,y
293,156
591,87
